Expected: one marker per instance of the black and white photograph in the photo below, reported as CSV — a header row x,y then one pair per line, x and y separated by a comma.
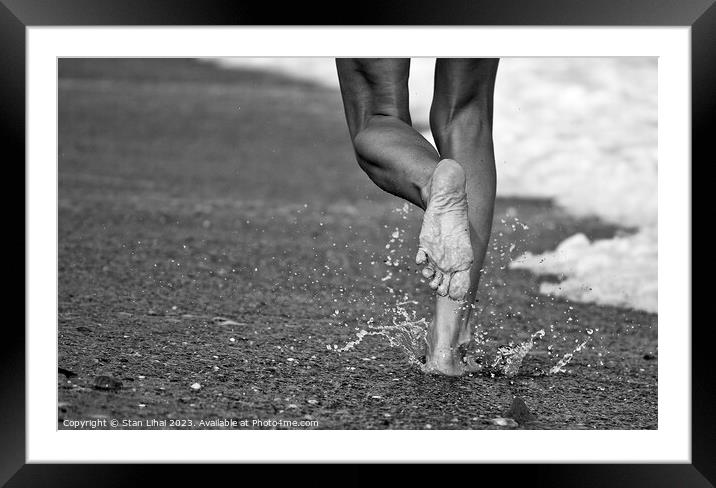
x,y
301,243
428,235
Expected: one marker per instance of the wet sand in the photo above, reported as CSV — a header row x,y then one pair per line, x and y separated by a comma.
x,y
212,222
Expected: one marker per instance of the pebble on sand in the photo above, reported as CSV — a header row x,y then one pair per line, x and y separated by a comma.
x,y
66,372
225,321
519,411
196,386
503,422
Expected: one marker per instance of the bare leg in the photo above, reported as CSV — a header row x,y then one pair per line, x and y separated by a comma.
x,y
400,161
461,122
393,154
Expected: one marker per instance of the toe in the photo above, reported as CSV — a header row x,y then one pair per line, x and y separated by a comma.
x,y
421,257
459,284
444,286
436,280
428,272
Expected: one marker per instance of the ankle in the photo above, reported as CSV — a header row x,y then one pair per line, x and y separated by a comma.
x,y
442,340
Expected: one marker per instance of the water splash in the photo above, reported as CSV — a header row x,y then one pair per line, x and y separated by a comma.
x,y
409,336
408,332
509,358
559,367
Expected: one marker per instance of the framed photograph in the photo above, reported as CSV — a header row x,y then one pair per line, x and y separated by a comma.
x,y
419,237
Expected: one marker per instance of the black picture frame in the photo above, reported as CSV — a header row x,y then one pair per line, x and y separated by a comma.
x,y
17,15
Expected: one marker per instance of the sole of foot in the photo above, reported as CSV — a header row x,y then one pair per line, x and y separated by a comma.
x,y
444,245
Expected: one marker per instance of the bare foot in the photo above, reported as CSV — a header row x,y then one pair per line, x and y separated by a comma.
x,y
451,361
445,361
445,247
445,354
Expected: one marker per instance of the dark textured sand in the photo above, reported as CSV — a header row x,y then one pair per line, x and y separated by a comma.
x,y
187,193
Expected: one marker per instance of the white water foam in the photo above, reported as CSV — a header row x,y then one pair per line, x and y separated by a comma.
x,y
589,269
